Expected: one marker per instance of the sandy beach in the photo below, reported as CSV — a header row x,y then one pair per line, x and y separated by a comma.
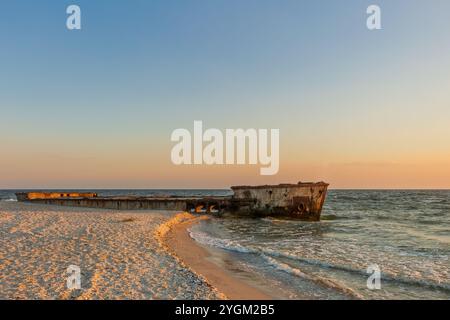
x,y
118,253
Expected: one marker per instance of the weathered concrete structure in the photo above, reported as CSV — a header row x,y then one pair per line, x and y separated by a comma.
x,y
53,195
302,201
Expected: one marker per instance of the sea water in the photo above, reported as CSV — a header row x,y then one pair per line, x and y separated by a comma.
x,y
406,234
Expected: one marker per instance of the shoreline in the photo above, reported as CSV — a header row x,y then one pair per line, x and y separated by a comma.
x,y
175,237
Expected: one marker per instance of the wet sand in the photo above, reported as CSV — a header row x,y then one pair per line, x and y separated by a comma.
x,y
175,236
117,251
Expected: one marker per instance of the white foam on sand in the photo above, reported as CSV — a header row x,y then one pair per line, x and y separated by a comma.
x,y
117,252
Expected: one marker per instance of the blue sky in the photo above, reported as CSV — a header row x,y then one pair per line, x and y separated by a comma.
x,y
139,69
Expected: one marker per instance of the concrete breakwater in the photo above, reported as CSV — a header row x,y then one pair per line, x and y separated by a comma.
x,y
301,201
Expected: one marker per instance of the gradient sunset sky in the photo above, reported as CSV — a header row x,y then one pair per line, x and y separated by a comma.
x,y
95,108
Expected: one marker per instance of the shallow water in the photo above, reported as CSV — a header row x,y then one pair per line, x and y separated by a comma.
x,y
405,233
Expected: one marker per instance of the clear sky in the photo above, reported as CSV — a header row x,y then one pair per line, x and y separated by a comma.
x,y
95,108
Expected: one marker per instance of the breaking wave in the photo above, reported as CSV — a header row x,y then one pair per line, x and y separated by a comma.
x,y
9,200
320,280
230,245
270,257
203,238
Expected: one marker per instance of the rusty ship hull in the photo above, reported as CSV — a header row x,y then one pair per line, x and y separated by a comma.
x,y
302,201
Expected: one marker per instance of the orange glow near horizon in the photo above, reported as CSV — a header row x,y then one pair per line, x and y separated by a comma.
x,y
152,168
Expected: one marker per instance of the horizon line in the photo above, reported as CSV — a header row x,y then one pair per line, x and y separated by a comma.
x,y
224,188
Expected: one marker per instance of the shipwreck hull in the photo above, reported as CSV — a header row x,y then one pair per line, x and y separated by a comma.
x,y
300,201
